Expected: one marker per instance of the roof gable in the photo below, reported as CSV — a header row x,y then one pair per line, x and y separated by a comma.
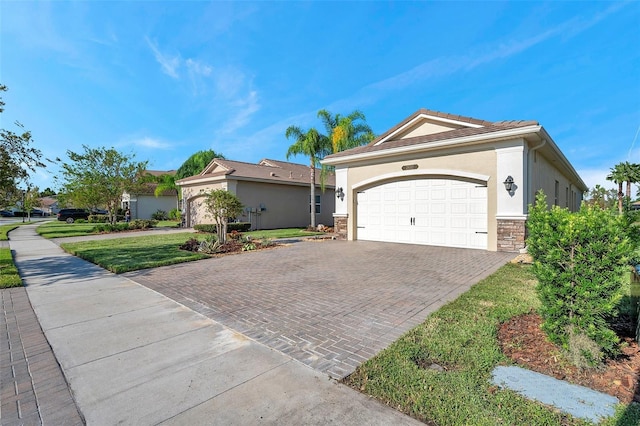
x,y
427,122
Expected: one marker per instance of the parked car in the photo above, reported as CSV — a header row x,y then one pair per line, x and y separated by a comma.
x,y
99,211
6,213
71,215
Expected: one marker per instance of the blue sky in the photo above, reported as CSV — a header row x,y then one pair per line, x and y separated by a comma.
x,y
166,79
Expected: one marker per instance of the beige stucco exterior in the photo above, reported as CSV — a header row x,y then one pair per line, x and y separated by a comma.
x,y
277,196
432,145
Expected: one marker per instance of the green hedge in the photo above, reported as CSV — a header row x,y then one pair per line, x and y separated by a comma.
x,y
581,260
233,226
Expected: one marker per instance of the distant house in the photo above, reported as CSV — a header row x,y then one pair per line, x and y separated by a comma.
x,y
49,205
446,180
275,194
145,203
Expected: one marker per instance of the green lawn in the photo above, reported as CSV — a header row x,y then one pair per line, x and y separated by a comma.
x,y
129,254
4,230
8,273
281,233
461,337
59,229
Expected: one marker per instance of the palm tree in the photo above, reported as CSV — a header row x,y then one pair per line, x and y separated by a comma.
x,y
631,175
314,145
346,132
167,183
617,175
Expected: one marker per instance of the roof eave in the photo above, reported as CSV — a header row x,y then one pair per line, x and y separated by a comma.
x,y
429,146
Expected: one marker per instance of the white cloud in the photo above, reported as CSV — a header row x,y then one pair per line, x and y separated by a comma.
x,y
169,64
244,109
147,142
593,177
197,67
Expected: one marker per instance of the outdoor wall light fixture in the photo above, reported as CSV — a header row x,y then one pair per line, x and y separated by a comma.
x,y
509,185
340,193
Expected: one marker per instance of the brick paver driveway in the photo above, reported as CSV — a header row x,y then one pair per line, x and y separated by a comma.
x,y
329,304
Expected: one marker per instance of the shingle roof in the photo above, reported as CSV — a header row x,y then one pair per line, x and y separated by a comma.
x,y
265,170
485,128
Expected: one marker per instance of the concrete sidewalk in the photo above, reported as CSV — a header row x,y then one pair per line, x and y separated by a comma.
x,y
133,356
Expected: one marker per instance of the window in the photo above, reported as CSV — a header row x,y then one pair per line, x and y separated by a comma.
x,y
566,197
317,204
557,194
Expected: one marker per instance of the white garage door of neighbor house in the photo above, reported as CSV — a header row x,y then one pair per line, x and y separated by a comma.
x,y
439,212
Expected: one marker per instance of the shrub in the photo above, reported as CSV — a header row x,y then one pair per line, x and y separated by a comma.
x,y
108,227
80,221
238,226
192,244
98,218
175,214
142,224
159,215
205,227
581,260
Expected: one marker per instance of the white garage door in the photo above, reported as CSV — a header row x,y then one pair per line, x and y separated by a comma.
x,y
439,212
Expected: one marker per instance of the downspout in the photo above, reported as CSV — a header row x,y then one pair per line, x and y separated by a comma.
x,y
530,194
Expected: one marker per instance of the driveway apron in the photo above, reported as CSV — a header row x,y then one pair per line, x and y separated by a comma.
x,y
329,304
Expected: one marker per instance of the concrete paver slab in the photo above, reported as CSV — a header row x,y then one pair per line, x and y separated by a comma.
x,y
328,304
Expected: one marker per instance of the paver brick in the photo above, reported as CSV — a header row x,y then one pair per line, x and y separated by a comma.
x,y
331,304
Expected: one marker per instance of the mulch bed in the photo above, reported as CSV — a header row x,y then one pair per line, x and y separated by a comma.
x,y
522,340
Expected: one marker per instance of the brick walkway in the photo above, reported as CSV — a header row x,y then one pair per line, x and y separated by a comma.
x,y
329,304
34,390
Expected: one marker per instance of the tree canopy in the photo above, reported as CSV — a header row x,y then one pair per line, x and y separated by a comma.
x,y
196,163
17,158
98,177
346,132
221,205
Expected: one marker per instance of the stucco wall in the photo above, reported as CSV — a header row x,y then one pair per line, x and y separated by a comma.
x,y
545,176
284,206
481,162
146,205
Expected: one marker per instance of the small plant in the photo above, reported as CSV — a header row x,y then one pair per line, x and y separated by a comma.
x,y
98,218
192,244
235,235
248,247
267,242
583,351
159,215
142,224
174,214
209,245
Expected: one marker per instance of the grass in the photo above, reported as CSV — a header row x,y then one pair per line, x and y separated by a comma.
x,y
461,337
59,229
281,233
8,272
129,254
168,224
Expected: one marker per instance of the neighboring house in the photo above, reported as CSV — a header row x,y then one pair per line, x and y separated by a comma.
x,y
275,194
49,205
446,180
145,203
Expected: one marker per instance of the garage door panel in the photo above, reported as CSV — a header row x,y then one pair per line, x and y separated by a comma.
x,y
424,211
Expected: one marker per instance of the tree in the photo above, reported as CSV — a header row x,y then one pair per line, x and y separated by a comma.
x,y
17,158
196,163
314,145
48,192
98,177
601,197
167,182
617,175
631,173
346,132
31,200
222,205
